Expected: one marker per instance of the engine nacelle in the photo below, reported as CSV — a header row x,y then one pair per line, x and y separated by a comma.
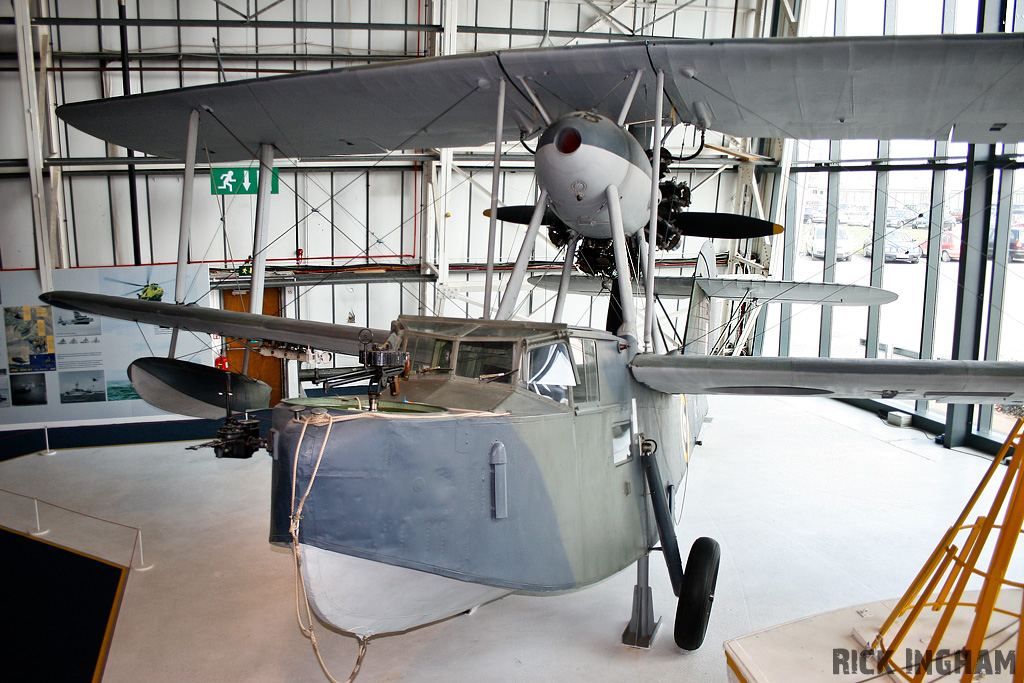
x,y
578,158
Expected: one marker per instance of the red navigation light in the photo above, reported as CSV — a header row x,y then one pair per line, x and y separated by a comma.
x,y
568,141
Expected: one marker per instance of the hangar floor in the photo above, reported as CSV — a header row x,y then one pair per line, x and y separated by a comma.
x,y
816,504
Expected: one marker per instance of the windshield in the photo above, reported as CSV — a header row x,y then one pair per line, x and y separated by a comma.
x,y
429,354
486,360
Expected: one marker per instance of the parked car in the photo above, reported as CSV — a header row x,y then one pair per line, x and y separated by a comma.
x,y
1016,252
899,246
816,245
950,246
897,218
856,217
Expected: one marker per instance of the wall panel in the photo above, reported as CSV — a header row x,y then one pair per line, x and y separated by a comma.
x,y
17,240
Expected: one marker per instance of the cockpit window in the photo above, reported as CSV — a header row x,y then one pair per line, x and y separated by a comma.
x,y
493,361
585,353
551,372
429,354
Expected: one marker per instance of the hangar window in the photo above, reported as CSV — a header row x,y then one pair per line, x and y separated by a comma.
x,y
493,361
550,372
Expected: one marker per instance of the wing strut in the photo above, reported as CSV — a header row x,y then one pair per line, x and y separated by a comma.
x,y
563,283
515,280
259,256
652,231
495,179
536,102
185,223
637,75
628,326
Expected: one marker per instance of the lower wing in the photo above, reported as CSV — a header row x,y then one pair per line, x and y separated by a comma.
x,y
947,381
761,290
323,336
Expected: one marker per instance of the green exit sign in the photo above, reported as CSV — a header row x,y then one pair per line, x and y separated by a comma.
x,y
238,181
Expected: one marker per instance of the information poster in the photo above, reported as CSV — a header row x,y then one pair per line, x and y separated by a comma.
x,y
60,366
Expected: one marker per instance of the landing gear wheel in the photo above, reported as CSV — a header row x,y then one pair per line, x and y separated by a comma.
x,y
697,593
944,257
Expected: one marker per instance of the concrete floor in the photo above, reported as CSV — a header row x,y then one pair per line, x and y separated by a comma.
x,y
816,504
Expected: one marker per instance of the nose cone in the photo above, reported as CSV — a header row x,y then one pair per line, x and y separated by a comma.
x,y
568,140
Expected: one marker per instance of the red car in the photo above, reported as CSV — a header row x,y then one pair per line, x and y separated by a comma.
x,y
950,246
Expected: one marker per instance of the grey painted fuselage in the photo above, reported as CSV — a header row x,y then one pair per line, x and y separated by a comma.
x,y
528,479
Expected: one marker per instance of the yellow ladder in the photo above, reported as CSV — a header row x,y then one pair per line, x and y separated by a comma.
x,y
957,565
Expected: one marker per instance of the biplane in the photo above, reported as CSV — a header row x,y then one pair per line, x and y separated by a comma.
x,y
493,455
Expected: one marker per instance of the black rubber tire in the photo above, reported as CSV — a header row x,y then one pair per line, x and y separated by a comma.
x,y
944,257
697,593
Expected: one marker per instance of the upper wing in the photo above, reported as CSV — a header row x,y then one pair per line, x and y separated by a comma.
x,y
950,381
811,88
323,336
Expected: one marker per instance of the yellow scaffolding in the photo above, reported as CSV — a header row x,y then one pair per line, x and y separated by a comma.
x,y
958,565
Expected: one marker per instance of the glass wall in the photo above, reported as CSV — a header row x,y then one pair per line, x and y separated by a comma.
x,y
813,207
1011,312
895,210
855,226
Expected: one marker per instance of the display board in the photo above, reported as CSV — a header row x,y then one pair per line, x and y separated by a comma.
x,y
59,366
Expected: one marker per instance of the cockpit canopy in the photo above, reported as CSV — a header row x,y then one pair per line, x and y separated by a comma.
x,y
535,356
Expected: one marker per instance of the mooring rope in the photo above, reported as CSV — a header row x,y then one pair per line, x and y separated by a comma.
x,y
300,585
325,419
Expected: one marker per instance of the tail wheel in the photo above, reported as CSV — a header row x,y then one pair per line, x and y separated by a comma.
x,y
697,593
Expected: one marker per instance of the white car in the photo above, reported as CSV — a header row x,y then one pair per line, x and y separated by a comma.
x,y
899,246
816,245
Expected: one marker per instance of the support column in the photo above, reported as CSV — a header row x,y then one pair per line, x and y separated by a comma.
x,y
515,280
34,141
831,234
642,625
878,233
133,189
970,291
789,256
997,283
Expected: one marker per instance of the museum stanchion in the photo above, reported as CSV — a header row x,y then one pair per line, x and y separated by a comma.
x,y
46,438
38,531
